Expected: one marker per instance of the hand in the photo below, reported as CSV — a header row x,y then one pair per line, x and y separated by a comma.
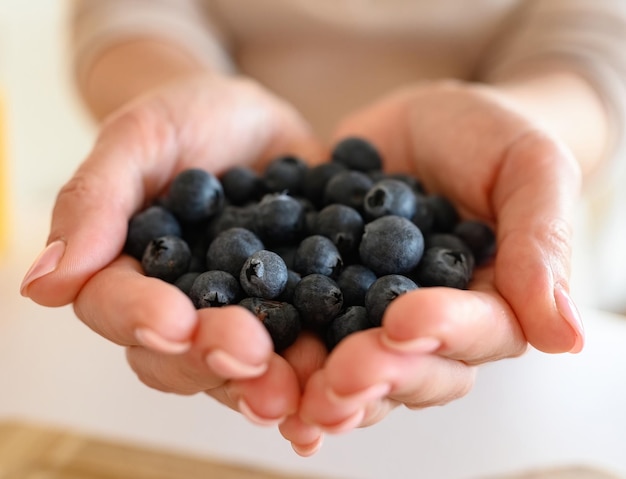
x,y
469,144
201,121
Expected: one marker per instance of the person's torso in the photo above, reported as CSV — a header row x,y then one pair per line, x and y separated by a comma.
x,y
329,57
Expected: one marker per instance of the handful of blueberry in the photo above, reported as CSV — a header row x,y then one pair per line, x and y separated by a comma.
x,y
325,248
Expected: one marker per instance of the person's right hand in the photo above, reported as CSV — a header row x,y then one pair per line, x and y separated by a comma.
x,y
207,122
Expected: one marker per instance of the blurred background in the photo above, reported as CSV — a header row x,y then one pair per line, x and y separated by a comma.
x,y
522,415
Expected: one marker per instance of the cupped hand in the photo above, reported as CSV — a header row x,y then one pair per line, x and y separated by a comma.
x,y
471,145
202,121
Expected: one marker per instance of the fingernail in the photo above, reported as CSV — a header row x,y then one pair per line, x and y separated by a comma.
x,y
47,261
152,340
347,424
418,345
568,311
309,449
229,367
244,408
376,391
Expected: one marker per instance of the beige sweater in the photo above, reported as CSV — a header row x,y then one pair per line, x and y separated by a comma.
x,y
330,56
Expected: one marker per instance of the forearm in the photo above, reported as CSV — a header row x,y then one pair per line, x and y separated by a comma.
x,y
567,106
126,70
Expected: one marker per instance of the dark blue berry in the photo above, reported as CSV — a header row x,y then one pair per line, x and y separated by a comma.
x,y
185,282
242,185
424,216
264,275
390,197
479,237
382,292
280,218
293,279
317,254
348,188
230,250
445,214
450,241
318,298
443,267
354,282
166,258
352,320
213,289
357,154
341,224
195,195
285,174
316,179
146,225
391,245
281,320
233,217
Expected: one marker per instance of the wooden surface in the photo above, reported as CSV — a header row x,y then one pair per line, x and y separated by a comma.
x,y
33,452
29,451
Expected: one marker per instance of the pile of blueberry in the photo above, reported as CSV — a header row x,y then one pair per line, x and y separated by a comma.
x,y
325,248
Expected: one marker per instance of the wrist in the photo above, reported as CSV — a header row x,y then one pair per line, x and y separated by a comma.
x,y
127,70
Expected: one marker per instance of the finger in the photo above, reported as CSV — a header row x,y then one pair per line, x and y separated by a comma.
x,y
229,343
123,305
474,326
136,154
534,198
306,356
266,400
362,381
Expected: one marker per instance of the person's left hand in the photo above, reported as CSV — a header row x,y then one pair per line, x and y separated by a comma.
x,y
468,144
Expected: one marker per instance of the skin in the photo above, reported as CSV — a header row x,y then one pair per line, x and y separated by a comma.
x,y
169,113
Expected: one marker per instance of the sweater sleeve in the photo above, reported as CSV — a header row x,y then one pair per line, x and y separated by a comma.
x,y
588,36
96,25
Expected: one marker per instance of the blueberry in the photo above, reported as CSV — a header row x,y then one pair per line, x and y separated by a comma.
x,y
264,275
144,226
185,282
280,218
233,217
316,179
391,245
415,184
285,174
214,289
341,224
424,216
352,320
479,237
390,197
348,188
318,299
450,241
242,185
281,320
293,279
382,292
442,266
445,214
231,248
354,282
317,254
166,258
357,154
195,195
